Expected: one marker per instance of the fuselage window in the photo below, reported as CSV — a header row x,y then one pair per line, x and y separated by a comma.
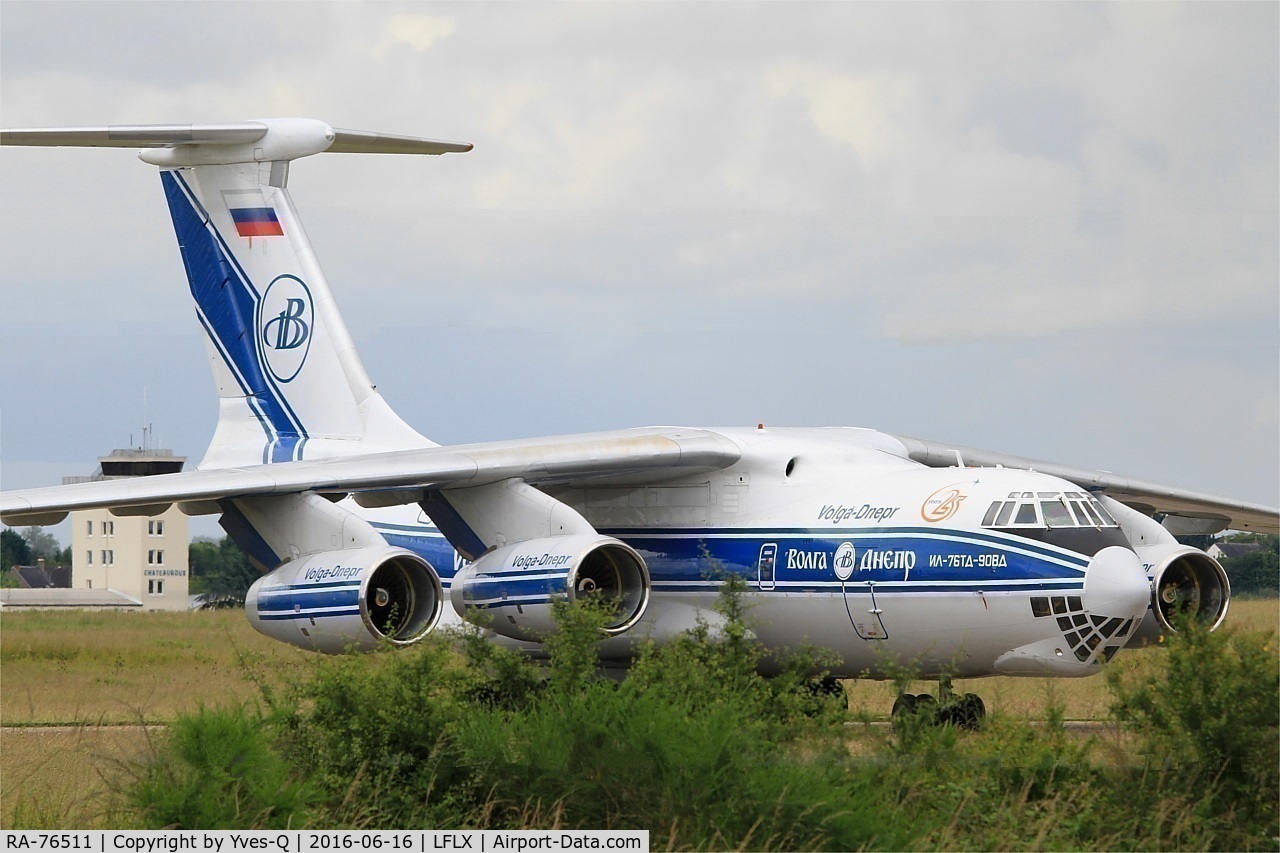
x,y
1026,514
1005,512
991,514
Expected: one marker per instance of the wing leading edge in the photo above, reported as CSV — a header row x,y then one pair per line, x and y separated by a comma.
x,y
382,479
1216,512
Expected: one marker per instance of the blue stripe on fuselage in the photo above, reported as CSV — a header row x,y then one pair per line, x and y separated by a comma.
x,y
687,560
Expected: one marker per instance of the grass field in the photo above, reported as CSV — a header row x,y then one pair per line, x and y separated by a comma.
x,y
85,686
72,668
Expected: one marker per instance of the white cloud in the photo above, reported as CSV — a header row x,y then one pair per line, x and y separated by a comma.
x,y
863,111
419,32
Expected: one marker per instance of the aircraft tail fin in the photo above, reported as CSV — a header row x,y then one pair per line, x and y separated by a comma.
x,y
290,382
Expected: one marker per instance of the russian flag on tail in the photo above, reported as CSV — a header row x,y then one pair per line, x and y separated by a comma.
x,y
256,222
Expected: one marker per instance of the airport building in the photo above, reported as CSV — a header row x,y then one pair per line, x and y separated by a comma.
x,y
143,557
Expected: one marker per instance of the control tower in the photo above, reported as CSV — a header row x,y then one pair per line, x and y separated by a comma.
x,y
141,556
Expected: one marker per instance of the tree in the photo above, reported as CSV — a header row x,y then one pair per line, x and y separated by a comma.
x,y
14,550
42,544
1257,572
220,571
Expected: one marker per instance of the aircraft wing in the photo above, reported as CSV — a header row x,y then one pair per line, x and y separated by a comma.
x,y
1194,512
398,477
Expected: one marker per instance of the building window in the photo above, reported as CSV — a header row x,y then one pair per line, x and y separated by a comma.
x,y
88,528
151,558
159,558
155,527
88,584
110,558
104,557
88,558
155,558
108,528
160,527
155,587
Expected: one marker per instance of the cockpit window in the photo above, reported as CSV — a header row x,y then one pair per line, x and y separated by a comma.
x,y
1048,509
1091,518
1056,514
1101,510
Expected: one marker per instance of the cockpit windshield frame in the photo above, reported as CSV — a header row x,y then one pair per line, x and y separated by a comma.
x,y
1044,510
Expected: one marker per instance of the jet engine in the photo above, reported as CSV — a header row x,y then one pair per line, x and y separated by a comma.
x,y
1186,583
510,590
339,601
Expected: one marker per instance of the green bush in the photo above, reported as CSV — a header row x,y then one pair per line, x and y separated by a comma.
x,y
701,749
1208,724
218,769
694,745
373,731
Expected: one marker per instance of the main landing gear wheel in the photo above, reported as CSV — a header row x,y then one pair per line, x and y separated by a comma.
x,y
909,705
829,687
964,712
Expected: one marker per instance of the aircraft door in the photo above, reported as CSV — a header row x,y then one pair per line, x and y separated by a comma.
x,y
859,596
766,566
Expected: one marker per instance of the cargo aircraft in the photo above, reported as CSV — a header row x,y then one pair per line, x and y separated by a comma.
x,y
882,548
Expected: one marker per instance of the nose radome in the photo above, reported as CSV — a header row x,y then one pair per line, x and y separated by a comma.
x,y
1115,583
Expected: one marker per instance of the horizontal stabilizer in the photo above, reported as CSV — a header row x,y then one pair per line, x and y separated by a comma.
x,y
367,142
233,142
137,135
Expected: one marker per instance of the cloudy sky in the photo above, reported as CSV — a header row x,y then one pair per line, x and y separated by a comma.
x,y
1048,229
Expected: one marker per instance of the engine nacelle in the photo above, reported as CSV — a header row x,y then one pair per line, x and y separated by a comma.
x,y
339,601
1185,583
510,590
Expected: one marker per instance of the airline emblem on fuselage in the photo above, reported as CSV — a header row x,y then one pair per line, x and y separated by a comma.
x,y
286,321
844,561
942,504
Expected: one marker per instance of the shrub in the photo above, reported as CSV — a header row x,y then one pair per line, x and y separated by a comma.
x,y
701,749
1208,723
217,769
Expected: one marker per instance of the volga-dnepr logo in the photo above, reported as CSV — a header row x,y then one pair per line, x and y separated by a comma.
x,y
845,560
942,504
286,320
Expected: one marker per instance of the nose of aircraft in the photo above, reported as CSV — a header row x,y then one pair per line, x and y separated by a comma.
x,y
1115,584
